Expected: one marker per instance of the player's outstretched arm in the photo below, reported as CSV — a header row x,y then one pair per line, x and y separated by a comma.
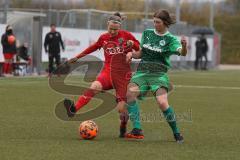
x,y
87,51
132,42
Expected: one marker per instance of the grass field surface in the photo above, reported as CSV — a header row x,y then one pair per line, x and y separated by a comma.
x,y
206,102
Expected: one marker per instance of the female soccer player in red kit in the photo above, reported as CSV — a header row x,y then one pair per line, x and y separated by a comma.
x,y
116,72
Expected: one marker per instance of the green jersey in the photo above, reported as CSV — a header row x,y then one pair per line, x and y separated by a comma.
x,y
156,51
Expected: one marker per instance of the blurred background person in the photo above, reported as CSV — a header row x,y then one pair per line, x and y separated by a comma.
x,y
204,46
201,52
23,60
52,43
8,41
23,53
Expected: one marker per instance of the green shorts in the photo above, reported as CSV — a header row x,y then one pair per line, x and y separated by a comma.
x,y
150,82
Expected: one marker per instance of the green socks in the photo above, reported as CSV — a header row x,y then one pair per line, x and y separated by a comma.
x,y
171,119
134,114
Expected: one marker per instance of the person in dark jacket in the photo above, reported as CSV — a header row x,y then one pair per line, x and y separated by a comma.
x,y
204,46
52,43
8,42
201,51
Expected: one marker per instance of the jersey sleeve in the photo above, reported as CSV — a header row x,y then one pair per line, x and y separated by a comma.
x,y
99,42
4,40
61,41
91,48
46,42
142,39
135,41
175,45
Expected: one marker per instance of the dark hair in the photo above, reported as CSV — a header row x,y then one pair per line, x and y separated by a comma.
x,y
53,24
8,26
165,17
116,18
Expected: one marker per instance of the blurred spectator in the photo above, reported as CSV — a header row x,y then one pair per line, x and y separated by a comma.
x,y
22,54
52,43
8,42
201,52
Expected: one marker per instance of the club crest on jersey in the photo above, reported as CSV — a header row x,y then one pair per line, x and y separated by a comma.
x,y
162,43
120,41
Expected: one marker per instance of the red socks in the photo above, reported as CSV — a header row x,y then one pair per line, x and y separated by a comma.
x,y
124,119
6,68
84,99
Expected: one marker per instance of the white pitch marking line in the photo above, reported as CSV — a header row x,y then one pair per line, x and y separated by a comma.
x,y
206,87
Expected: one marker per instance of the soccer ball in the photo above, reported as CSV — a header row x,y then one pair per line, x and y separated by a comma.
x,y
88,129
11,39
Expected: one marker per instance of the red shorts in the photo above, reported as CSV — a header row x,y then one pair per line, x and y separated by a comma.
x,y
115,80
8,55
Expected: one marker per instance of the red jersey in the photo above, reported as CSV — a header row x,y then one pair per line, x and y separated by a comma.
x,y
115,49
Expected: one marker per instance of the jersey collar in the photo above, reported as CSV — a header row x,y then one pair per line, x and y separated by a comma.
x,y
161,34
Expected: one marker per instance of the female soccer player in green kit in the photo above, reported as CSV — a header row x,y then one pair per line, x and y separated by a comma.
x,y
157,45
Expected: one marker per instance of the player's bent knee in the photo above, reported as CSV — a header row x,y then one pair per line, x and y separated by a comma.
x,y
131,96
96,86
162,102
132,92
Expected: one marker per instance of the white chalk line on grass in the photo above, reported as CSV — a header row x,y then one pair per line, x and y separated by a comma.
x,y
87,84
207,87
